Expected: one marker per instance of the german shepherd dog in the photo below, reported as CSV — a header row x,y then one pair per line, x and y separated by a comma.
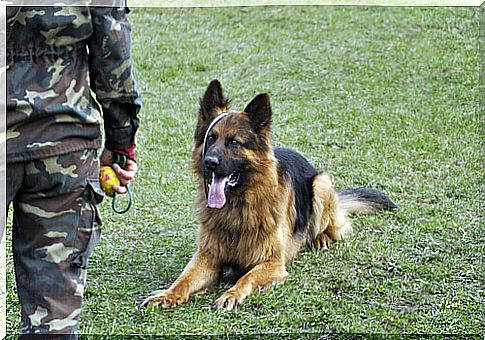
x,y
258,205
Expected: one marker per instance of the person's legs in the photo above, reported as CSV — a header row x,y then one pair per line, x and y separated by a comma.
x,y
15,177
55,229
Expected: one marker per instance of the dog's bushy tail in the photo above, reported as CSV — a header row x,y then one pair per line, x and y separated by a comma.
x,y
363,201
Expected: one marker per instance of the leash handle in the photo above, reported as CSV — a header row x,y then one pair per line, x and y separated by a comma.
x,y
130,202
121,161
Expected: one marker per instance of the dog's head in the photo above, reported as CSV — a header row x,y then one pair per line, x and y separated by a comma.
x,y
231,147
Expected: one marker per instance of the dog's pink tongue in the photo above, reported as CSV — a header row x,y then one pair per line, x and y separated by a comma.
x,y
217,198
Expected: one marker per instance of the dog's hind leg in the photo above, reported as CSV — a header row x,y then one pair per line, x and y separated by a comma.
x,y
329,222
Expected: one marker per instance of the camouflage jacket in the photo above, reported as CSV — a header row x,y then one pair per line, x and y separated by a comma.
x,y
68,69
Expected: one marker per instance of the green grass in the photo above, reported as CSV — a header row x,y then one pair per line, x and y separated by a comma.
x,y
380,97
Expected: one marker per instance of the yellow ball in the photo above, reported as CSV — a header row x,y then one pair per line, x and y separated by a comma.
x,y
108,178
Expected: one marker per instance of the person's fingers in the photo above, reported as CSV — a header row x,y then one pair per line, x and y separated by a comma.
x,y
120,189
127,174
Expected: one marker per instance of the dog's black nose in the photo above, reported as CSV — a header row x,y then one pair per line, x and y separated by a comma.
x,y
211,162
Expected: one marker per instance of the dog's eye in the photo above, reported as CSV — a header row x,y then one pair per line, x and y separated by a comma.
x,y
211,139
233,142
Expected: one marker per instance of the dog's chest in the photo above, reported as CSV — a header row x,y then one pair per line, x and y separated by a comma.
x,y
242,243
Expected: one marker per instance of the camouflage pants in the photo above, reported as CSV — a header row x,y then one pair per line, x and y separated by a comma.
x,y
55,228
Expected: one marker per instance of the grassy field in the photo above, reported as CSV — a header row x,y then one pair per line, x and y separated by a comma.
x,y
379,97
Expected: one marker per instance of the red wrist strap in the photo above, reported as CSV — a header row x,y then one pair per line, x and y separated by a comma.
x,y
129,152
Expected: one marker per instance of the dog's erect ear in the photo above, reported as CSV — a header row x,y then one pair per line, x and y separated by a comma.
x,y
213,101
259,111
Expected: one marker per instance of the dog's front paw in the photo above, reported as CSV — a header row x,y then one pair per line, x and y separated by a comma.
x,y
229,300
322,241
166,299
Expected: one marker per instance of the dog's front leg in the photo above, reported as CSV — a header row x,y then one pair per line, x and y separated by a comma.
x,y
199,274
258,278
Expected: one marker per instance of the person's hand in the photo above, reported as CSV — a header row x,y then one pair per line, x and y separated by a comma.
x,y
125,174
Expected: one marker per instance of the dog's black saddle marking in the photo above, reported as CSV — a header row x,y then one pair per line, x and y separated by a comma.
x,y
302,174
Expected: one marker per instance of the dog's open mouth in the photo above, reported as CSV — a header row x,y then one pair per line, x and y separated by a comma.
x,y
218,187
